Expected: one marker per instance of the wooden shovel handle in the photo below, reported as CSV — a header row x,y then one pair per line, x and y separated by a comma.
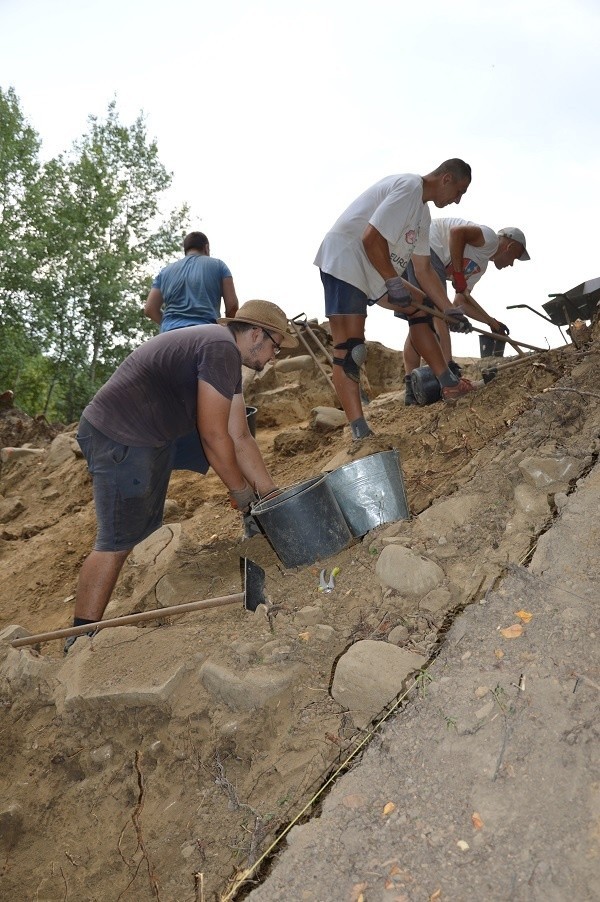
x,y
155,614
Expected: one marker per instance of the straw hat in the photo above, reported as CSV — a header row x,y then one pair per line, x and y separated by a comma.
x,y
265,315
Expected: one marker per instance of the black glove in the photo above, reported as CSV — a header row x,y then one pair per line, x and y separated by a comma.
x,y
457,321
397,293
502,329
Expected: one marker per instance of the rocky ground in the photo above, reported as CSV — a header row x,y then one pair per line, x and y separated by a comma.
x,y
163,761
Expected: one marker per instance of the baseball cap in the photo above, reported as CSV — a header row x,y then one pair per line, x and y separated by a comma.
x,y
265,315
516,235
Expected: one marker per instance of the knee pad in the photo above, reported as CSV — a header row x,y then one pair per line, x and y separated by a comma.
x,y
356,354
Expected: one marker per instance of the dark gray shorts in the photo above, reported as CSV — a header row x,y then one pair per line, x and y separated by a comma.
x,y
130,484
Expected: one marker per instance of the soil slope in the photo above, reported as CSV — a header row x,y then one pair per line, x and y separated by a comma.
x,y
161,761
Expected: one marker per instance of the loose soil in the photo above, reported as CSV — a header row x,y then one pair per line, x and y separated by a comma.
x,y
111,792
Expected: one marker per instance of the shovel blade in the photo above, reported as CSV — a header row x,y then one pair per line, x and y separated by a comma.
x,y
253,581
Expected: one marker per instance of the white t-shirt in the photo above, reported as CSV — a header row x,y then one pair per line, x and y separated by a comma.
x,y
394,206
475,259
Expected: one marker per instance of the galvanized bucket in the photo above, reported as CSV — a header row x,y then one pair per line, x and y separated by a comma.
x,y
370,491
304,524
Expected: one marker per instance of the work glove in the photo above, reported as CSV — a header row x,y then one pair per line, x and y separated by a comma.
x,y
457,321
501,329
241,499
459,283
397,293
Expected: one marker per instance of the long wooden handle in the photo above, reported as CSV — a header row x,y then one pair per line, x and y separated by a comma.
x,y
130,618
416,292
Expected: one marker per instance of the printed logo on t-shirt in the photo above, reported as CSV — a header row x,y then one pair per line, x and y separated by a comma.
x,y
469,268
411,236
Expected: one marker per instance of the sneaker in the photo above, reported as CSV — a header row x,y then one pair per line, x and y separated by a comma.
x,y
453,392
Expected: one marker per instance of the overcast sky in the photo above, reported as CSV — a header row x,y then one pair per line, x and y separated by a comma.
x,y
273,116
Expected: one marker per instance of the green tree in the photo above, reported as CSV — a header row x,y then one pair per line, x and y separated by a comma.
x,y
19,166
99,236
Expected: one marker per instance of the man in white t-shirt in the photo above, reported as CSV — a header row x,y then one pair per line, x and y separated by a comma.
x,y
361,260
460,251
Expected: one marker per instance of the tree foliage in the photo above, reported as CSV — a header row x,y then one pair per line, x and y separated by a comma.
x,y
87,235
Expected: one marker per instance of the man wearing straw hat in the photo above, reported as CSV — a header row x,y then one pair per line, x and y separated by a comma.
x,y
174,403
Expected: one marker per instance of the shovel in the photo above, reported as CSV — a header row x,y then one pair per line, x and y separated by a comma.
x,y
433,311
253,580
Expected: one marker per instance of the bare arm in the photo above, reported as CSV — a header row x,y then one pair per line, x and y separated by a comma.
x,y
212,416
378,252
460,236
229,447
429,281
474,310
153,305
229,296
247,452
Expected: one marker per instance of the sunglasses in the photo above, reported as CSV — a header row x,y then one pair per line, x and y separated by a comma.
x,y
268,334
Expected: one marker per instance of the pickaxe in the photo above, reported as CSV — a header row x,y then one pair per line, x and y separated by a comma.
x,y
253,580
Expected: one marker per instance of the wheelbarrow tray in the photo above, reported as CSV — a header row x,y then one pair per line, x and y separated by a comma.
x,y
580,302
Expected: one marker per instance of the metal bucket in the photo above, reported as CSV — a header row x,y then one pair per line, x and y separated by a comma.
x,y
304,523
491,347
425,386
370,491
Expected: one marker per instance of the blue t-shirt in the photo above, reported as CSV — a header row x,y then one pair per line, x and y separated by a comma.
x,y
191,290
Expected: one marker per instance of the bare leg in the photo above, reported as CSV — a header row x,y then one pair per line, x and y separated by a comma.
x,y
427,346
411,358
443,333
348,391
97,580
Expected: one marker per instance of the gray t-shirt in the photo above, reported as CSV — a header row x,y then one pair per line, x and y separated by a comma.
x,y
150,400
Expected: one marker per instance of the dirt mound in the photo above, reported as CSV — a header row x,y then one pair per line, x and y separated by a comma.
x,y
187,744
18,428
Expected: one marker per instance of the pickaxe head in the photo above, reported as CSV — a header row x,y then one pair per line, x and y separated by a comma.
x,y
253,582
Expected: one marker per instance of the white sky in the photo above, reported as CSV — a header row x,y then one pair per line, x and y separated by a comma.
x,y
273,116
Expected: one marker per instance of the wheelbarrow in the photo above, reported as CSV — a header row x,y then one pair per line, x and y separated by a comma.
x,y
580,302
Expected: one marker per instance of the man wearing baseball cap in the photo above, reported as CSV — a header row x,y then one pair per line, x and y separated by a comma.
x,y
175,403
460,251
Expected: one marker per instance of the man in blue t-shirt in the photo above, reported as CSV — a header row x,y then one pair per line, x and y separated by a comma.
x,y
188,292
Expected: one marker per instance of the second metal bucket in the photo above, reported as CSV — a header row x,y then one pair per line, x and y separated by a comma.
x,y
425,386
370,491
304,523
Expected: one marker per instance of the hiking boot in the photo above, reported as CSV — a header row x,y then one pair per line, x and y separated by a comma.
x,y
409,395
453,392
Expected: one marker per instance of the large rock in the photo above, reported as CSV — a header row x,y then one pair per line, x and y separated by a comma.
x,y
551,472
443,518
253,689
112,670
64,448
410,574
370,675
